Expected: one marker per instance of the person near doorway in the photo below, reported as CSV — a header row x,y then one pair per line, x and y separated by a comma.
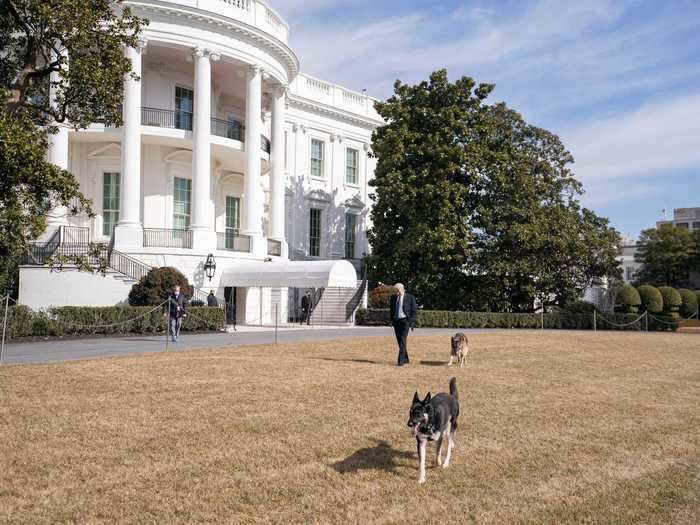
x,y
306,308
177,310
403,317
212,300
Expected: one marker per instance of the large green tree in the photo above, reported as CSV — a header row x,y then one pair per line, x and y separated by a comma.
x,y
667,254
76,48
474,208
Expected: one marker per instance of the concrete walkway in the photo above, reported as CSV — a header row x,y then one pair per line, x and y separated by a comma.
x,y
58,350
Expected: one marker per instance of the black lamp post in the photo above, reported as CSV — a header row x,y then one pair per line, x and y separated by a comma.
x,y
210,266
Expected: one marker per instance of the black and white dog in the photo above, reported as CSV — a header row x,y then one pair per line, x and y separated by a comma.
x,y
434,419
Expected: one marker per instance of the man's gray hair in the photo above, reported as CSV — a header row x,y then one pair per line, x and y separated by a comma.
x,y
400,287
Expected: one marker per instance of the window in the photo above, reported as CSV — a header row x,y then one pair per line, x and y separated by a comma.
x,y
315,232
629,273
184,104
110,202
351,160
683,225
696,225
316,158
350,231
233,220
182,203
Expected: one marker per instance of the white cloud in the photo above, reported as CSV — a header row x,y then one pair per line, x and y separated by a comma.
x,y
661,136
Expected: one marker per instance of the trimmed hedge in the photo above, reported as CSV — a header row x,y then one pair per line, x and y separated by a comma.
x,y
689,302
672,300
628,299
380,297
562,320
78,320
652,300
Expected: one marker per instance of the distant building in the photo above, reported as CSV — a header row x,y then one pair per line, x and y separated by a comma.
x,y
688,218
627,261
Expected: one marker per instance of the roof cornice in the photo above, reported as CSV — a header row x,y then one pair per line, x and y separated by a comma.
x,y
339,114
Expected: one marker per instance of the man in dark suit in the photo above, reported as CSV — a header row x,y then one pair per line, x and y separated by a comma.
x,y
403,317
177,310
306,308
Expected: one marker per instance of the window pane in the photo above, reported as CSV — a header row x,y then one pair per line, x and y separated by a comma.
x,y
182,203
351,161
110,202
316,158
233,213
350,232
315,232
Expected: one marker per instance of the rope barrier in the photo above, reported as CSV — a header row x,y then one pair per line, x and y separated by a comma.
x,y
111,325
623,325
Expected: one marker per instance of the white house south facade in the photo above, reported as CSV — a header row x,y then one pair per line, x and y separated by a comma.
x,y
226,149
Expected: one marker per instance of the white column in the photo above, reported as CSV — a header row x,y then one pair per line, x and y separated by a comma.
x,y
129,230
203,236
57,155
253,194
277,175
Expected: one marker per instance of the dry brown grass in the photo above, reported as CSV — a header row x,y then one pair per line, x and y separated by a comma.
x,y
560,427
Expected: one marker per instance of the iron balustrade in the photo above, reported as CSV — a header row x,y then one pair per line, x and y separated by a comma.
x,y
233,242
74,234
166,118
230,129
166,238
274,247
265,144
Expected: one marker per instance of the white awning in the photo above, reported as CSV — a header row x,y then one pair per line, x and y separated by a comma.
x,y
292,274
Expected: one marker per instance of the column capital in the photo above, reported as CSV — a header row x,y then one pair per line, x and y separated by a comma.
x,y
365,146
203,52
280,90
141,44
253,70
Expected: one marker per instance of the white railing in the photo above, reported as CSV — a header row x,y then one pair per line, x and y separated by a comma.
x,y
242,4
353,98
273,19
318,85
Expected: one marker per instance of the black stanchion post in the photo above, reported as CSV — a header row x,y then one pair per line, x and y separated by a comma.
x,y
595,321
646,320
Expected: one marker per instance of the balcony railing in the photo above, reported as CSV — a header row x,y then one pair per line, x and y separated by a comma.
x,y
230,129
265,144
163,238
233,242
166,118
274,247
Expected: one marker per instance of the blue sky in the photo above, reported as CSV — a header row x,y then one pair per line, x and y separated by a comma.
x,y
618,80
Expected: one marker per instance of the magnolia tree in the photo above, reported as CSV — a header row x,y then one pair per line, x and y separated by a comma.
x,y
72,49
474,208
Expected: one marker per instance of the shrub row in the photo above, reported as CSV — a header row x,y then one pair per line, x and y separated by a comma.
x,y
75,320
562,320
647,298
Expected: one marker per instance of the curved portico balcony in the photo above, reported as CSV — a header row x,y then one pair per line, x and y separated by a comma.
x,y
182,120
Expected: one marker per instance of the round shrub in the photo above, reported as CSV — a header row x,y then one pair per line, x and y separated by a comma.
x,y
380,296
689,302
155,286
672,299
628,299
651,299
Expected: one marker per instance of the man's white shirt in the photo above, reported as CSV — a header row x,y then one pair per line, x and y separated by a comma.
x,y
399,308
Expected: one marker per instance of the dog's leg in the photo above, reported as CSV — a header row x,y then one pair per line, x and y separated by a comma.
x,y
462,360
450,363
422,445
439,451
446,463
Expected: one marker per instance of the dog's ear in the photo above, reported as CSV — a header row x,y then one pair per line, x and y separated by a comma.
x,y
427,398
416,399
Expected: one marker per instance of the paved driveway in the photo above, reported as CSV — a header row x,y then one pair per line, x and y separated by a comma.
x,y
57,350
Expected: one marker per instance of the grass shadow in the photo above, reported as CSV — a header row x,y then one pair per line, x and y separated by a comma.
x,y
365,361
379,457
434,363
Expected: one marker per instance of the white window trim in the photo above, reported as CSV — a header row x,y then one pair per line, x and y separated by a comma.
x,y
324,162
171,219
103,170
347,184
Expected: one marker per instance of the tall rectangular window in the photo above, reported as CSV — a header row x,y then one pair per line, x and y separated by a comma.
x,y
350,232
182,203
184,105
315,232
316,158
110,202
352,157
233,220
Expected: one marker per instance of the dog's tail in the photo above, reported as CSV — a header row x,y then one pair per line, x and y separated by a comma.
x,y
453,388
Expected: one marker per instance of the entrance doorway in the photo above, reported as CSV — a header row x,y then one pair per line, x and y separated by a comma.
x,y
230,297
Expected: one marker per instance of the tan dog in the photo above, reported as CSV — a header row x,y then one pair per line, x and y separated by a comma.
x,y
460,348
